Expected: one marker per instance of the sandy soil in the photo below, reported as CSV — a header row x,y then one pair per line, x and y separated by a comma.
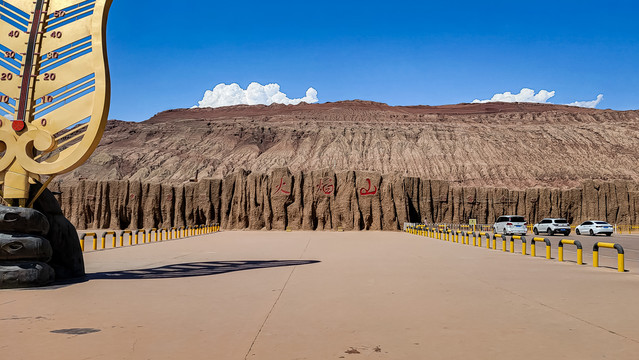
x,y
324,295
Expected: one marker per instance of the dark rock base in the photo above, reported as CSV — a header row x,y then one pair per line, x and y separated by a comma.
x,y
22,274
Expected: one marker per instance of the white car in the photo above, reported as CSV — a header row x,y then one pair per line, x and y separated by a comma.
x,y
510,225
552,226
594,227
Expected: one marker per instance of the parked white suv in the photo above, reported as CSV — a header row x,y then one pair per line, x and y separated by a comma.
x,y
510,225
552,227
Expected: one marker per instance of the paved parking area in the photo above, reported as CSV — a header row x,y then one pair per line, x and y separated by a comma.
x,y
324,295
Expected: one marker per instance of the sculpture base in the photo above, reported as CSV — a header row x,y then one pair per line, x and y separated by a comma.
x,y
23,274
39,245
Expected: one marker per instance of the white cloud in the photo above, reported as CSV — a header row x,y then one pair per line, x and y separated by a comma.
x,y
525,95
528,95
255,93
588,104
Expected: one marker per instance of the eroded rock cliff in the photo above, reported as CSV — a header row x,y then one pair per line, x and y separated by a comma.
x,y
327,200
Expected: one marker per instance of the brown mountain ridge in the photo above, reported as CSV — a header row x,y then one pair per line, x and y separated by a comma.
x,y
514,145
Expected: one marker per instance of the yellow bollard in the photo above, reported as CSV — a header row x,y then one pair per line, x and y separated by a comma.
x,y
539,239
104,235
95,240
130,233
143,236
620,254
532,249
523,243
560,250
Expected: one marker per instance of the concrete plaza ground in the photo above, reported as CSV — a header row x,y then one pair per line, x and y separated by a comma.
x,y
325,295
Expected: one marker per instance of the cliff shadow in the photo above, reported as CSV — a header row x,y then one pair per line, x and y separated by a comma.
x,y
195,269
173,271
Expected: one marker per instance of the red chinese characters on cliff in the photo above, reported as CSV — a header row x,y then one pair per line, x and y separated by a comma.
x,y
370,190
326,186
282,188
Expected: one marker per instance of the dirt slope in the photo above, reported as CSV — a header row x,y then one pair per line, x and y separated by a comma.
x,y
513,145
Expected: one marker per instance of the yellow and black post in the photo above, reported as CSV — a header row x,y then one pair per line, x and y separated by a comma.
x,y
539,239
577,243
95,240
523,243
495,236
620,254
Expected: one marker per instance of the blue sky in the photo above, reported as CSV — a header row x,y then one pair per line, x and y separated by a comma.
x,y
165,55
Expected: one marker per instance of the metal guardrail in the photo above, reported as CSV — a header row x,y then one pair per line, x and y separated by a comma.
x,y
95,240
523,243
577,243
620,254
160,235
540,239
495,236
618,229
130,233
446,234
103,237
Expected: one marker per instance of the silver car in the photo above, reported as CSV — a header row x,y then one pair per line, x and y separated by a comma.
x,y
510,225
594,227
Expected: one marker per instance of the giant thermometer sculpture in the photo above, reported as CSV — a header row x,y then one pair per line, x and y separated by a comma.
x,y
54,88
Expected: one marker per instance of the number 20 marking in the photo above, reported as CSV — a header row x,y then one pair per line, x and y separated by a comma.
x,y
6,77
49,76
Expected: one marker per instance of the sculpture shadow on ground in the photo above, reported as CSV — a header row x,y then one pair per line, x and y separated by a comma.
x,y
205,268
